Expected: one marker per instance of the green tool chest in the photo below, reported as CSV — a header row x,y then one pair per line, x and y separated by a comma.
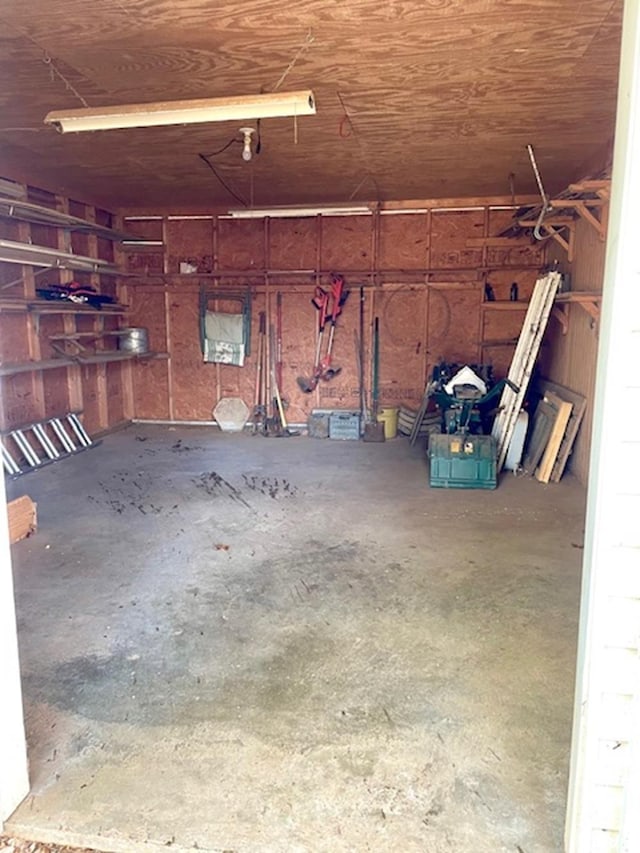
x,y
462,461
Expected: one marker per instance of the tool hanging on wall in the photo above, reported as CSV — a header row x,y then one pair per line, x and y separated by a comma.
x,y
546,207
260,398
279,339
329,306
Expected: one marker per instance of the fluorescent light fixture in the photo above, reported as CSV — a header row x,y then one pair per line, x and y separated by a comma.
x,y
290,212
270,105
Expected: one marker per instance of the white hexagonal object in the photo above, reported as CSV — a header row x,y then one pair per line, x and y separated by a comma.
x,y
231,413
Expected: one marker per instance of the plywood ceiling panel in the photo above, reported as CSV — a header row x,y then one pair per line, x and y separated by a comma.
x,y
415,98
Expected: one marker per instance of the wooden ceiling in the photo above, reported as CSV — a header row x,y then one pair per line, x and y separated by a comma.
x,y
416,99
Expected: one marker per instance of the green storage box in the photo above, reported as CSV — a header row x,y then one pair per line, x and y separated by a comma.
x,y
462,461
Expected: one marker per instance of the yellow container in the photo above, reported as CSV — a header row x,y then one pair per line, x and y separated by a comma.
x,y
389,417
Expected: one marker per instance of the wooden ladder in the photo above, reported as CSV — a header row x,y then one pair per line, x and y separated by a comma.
x,y
523,362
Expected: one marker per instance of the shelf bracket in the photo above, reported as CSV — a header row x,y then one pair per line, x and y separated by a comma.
x,y
560,313
588,216
588,302
554,232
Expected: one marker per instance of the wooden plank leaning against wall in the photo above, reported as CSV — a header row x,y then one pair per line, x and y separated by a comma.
x,y
424,275
570,356
100,390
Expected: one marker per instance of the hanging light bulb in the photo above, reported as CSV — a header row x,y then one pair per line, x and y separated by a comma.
x,y
246,151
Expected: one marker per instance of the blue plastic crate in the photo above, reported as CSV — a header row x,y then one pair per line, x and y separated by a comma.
x,y
344,426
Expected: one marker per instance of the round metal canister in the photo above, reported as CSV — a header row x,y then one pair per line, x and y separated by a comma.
x,y
135,340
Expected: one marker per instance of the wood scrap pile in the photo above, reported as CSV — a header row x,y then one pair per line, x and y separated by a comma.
x,y
23,519
429,421
553,431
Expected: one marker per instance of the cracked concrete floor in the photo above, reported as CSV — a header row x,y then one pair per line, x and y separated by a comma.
x,y
232,643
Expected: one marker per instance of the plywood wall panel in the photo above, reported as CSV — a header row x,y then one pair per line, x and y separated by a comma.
x,y
587,271
14,343
115,399
151,390
502,325
404,241
44,235
453,324
520,254
450,231
9,230
500,358
18,403
500,218
194,383
346,242
402,317
147,229
240,244
147,309
79,243
145,263
571,359
91,403
50,324
56,393
150,378
293,243
189,241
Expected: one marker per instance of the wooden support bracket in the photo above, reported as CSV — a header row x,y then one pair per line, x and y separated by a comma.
x,y
590,302
583,207
561,315
588,216
554,230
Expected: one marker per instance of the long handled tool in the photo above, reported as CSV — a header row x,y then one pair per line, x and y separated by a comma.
x,y
321,302
279,418
259,410
328,305
363,393
374,431
279,339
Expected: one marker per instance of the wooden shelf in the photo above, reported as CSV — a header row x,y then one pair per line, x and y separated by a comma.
x,y
55,363
44,306
28,254
581,296
505,305
27,212
74,336
588,300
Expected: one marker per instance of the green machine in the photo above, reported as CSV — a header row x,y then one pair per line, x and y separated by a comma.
x,y
464,455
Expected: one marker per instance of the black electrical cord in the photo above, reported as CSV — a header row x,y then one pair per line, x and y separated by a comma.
x,y
231,142
205,159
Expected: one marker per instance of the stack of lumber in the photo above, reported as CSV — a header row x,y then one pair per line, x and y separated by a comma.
x,y
22,518
555,425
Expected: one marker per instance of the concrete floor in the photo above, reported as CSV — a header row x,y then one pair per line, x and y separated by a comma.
x,y
232,643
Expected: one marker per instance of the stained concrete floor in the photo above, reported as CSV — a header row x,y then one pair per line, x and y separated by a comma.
x,y
232,643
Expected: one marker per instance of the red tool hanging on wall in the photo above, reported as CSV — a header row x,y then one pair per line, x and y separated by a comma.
x,y
329,305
